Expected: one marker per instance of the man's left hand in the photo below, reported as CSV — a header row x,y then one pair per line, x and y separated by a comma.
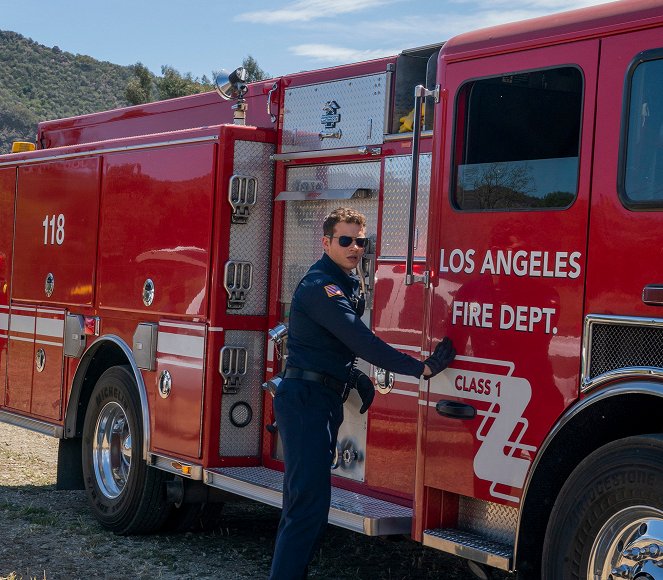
x,y
366,390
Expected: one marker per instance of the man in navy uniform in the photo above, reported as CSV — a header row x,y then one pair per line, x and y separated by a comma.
x,y
325,335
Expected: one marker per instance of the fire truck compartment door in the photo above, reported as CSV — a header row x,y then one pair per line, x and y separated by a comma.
x,y
335,114
156,224
35,363
55,244
179,376
510,250
7,191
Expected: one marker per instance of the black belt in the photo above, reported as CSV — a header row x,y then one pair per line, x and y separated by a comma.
x,y
329,382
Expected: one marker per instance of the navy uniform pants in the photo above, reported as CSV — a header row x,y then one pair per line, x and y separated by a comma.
x,y
308,416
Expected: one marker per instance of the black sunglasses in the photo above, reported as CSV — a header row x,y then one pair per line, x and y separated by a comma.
x,y
345,241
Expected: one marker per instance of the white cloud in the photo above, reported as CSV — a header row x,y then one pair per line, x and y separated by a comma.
x,y
306,10
336,54
537,7
417,30
369,23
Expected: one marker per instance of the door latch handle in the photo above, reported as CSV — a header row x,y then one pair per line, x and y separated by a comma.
x,y
455,410
652,294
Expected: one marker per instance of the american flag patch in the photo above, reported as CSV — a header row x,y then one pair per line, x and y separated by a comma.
x,y
333,290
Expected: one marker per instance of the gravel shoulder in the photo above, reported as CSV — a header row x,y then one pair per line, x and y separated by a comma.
x,y
50,534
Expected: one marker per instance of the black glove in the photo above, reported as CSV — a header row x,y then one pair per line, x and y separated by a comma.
x,y
442,356
365,388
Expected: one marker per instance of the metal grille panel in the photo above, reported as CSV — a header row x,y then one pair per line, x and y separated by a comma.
x,y
303,219
396,205
244,441
249,242
361,103
616,346
492,521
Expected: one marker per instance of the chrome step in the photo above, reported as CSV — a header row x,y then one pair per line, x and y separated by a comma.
x,y
353,511
471,547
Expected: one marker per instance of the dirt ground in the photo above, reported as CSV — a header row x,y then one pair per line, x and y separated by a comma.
x,y
49,534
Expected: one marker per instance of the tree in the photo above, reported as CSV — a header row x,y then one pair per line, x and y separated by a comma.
x,y
255,72
499,185
173,84
139,87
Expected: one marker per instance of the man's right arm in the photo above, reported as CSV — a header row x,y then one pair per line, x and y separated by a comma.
x,y
335,313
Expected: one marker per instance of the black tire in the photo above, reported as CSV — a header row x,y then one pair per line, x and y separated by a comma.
x,y
614,496
125,495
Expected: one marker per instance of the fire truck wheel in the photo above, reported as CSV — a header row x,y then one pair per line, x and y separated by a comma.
x,y
608,518
126,495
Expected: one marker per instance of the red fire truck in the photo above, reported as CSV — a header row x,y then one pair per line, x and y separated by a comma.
x,y
148,255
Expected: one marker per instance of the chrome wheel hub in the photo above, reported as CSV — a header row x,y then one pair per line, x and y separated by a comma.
x,y
629,545
111,450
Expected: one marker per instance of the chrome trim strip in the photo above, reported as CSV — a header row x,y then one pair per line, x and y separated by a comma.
x,y
142,391
109,150
631,388
623,373
32,424
387,259
166,464
181,325
370,151
587,383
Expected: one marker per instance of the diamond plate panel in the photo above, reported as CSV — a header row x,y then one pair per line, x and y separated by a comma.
x,y
303,219
617,346
396,206
244,441
492,521
249,242
361,106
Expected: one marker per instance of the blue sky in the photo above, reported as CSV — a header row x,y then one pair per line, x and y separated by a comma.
x,y
283,36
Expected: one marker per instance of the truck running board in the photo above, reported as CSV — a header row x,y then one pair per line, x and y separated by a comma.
x,y
471,547
359,513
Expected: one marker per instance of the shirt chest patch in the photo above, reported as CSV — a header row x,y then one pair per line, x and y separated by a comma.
x,y
333,290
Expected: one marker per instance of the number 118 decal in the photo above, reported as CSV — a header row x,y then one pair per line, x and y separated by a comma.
x,y
56,226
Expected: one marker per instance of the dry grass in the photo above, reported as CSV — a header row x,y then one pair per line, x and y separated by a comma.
x,y
51,535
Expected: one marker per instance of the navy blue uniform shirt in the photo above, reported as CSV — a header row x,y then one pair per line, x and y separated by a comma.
x,y
325,333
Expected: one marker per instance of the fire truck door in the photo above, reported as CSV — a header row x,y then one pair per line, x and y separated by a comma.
x,y
156,216
55,247
7,190
624,240
510,251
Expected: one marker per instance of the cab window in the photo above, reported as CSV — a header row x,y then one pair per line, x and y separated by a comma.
x,y
518,141
642,155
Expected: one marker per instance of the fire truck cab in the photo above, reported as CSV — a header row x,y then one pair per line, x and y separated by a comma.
x,y
148,256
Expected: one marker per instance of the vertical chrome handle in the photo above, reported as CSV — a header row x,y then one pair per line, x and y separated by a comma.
x,y
274,88
420,93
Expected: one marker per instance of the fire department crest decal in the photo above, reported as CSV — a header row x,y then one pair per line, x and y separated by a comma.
x,y
330,117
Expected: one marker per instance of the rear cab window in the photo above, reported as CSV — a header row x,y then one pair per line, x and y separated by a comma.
x,y
641,164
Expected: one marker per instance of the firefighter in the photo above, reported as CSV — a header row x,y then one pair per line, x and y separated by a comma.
x,y
325,335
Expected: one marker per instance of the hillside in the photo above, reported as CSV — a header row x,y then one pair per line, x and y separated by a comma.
x,y
39,83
